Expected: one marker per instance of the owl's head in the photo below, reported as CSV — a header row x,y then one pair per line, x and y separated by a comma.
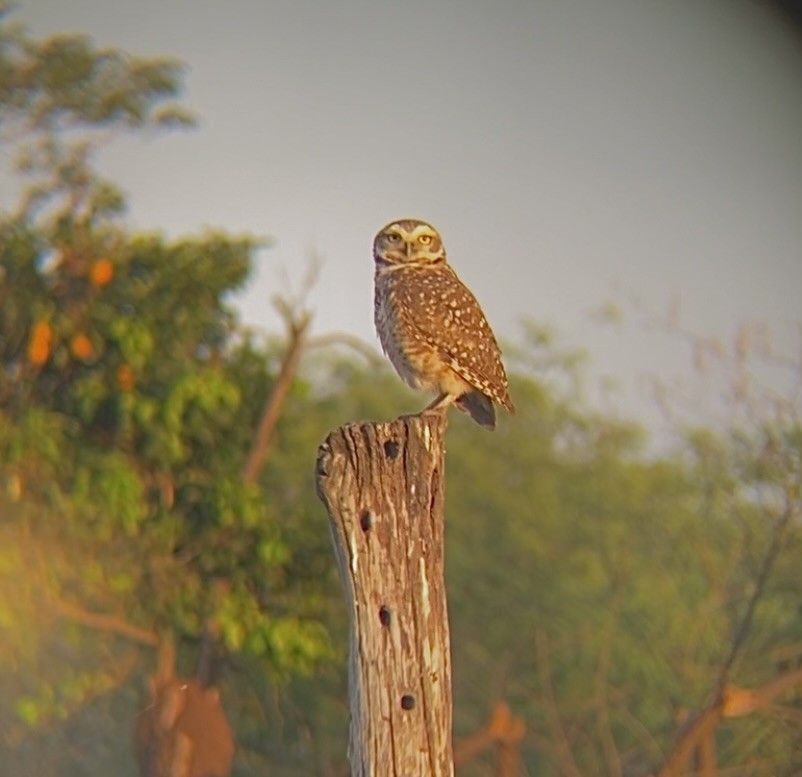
x,y
408,242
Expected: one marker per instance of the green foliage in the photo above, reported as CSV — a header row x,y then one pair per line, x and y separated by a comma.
x,y
62,98
64,82
120,386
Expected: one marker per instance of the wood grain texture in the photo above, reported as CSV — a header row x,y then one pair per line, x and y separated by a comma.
x,y
382,485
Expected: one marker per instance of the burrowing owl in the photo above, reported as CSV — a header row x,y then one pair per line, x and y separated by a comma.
x,y
431,326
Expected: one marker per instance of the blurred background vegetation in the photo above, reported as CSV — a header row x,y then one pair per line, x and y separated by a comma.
x,y
603,592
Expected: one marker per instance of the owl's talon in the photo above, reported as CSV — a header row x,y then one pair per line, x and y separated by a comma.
x,y
434,410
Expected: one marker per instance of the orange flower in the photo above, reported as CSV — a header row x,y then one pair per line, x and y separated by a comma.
x,y
125,377
39,346
101,273
14,486
81,347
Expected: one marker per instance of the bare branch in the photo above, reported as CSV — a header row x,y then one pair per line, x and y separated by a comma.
x,y
272,412
503,729
101,622
297,321
760,585
704,723
348,340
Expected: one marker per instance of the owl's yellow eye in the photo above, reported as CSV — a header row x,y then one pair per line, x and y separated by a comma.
x,y
425,239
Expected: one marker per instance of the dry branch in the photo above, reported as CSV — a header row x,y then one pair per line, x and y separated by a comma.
x,y
102,622
503,730
382,485
702,726
298,329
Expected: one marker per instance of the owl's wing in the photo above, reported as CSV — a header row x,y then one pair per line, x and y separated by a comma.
x,y
446,315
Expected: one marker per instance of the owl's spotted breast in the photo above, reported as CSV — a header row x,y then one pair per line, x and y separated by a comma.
x,y
404,327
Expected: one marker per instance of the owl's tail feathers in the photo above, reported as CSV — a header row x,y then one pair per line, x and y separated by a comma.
x,y
479,407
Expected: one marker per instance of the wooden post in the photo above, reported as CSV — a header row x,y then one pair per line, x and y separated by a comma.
x,y
383,487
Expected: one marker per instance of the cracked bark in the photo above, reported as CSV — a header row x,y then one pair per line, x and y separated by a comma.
x,y
382,485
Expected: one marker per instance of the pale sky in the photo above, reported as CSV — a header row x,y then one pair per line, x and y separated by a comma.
x,y
569,151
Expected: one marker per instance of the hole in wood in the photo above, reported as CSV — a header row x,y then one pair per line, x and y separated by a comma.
x,y
366,520
384,615
407,701
391,449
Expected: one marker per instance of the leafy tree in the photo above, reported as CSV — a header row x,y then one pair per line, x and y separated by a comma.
x,y
126,401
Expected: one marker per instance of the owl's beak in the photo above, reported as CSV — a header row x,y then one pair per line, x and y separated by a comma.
x,y
408,248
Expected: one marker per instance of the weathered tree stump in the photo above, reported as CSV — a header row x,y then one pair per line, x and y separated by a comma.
x,y
383,487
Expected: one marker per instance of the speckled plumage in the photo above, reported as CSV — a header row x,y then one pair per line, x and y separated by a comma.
x,y
430,325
